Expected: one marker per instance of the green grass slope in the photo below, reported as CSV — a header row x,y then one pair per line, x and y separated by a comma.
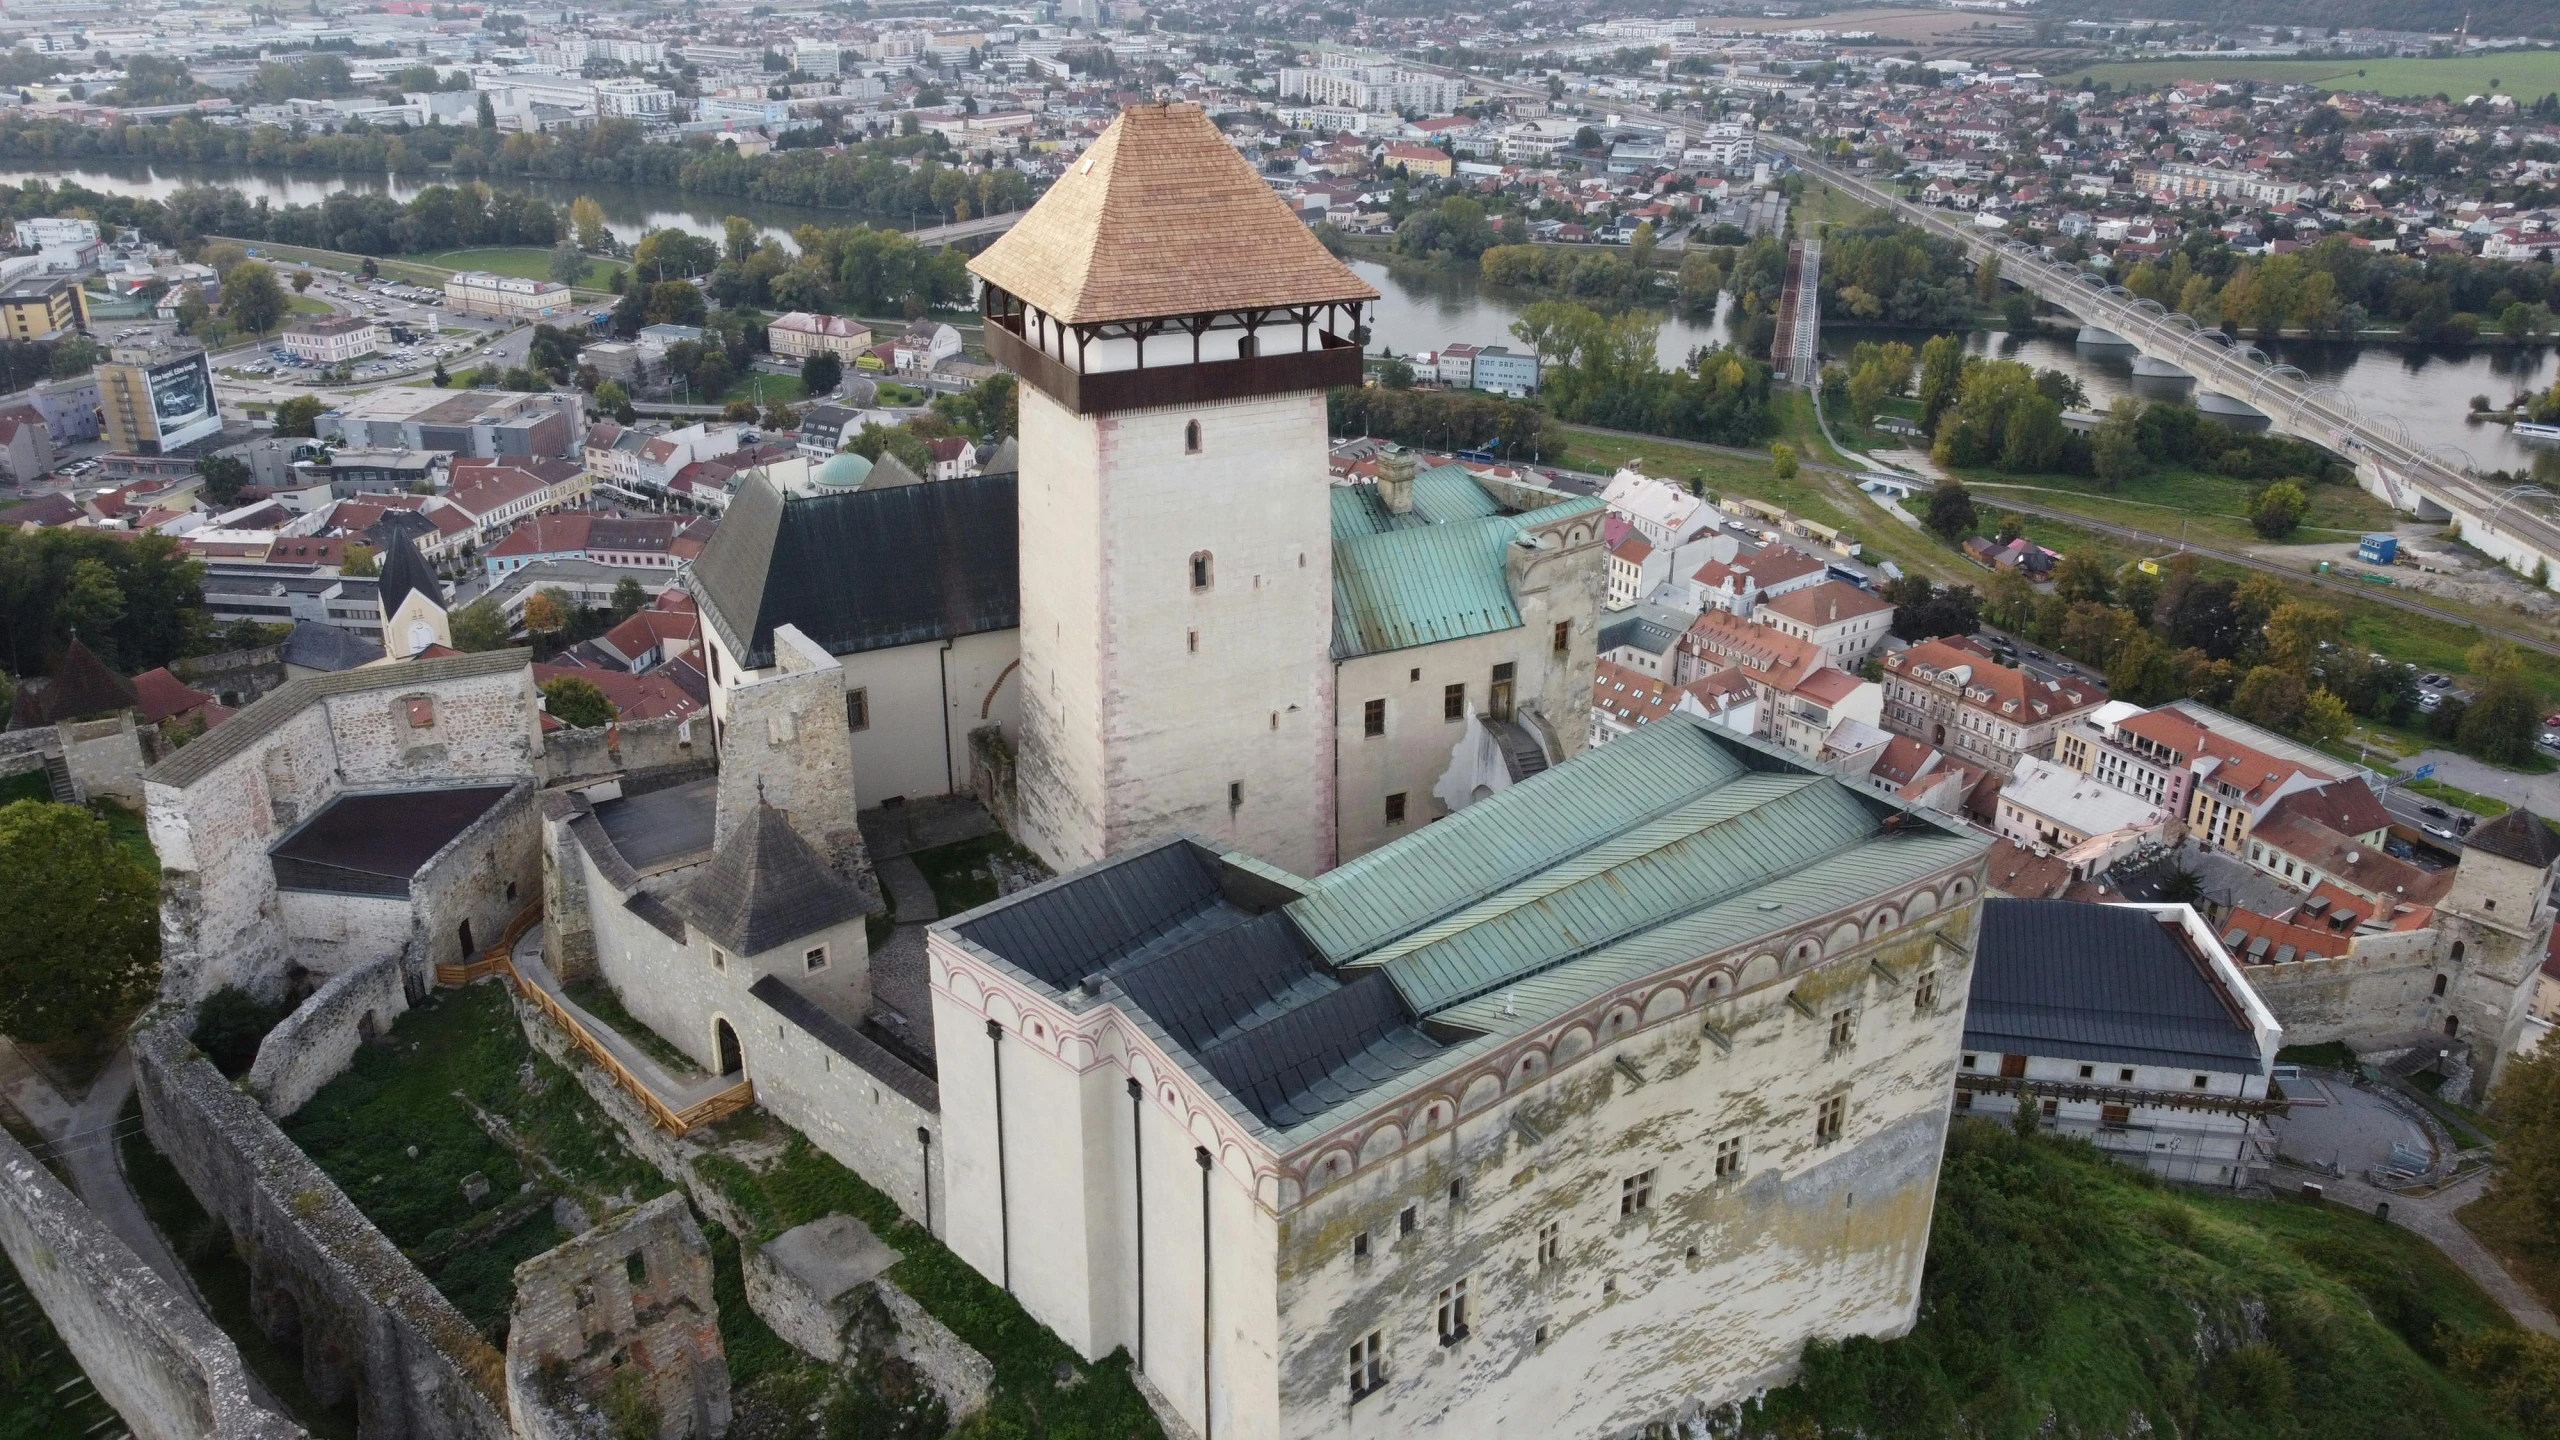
x,y
2069,1295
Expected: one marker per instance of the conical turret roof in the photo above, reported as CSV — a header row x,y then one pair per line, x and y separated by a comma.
x,y
1163,217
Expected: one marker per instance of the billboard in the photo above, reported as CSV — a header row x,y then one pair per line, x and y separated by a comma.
x,y
182,400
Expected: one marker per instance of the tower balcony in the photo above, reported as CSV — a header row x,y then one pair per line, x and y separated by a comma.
x,y
1094,368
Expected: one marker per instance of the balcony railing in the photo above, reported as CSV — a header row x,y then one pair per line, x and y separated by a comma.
x,y
1335,362
2079,1091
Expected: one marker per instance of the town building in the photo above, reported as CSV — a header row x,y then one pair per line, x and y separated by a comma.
x,y
506,297
1844,622
800,333
330,339
473,424
2127,1026
1955,695
157,396
2048,805
42,307
634,541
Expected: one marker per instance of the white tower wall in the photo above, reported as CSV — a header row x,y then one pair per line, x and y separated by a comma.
x,y
1144,700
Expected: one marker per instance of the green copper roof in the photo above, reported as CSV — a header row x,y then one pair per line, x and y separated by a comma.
x,y
1442,495
1427,583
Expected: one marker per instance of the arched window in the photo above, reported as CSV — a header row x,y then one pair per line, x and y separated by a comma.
x,y
2452,1026
1200,570
2457,952
1191,438
2439,985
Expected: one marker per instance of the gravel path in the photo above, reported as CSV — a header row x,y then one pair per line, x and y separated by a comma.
x,y
2432,1217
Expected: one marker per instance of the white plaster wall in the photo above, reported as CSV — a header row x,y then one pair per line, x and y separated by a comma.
x,y
867,1125
1128,732
1716,1286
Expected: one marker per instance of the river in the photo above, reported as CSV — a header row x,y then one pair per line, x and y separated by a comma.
x,y
1423,308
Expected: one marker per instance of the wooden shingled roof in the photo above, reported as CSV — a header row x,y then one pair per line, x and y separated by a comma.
x,y
1162,217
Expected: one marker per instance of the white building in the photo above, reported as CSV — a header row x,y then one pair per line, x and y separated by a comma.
x,y
2049,806
1847,623
2126,1025
330,339
63,244
634,99
1661,511
1379,89
479,292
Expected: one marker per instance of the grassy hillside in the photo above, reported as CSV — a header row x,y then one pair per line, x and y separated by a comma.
x,y
2525,74
2069,1295
2486,17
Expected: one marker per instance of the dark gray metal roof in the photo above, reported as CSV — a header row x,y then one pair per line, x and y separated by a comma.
x,y
765,887
1234,985
2107,983
862,569
385,836
657,827
405,570
315,646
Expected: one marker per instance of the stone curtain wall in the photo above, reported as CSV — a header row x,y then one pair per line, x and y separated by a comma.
x,y
322,1278
151,1353
483,875
24,750
105,757
2385,988
328,933
237,678
318,1041
853,1099
635,748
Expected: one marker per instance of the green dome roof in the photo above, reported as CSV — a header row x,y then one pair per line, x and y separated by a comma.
x,y
843,472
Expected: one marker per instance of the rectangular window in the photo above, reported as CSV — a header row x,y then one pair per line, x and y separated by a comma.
x,y
1405,1221
2203,1081
2125,1075
1191,638
1829,1119
857,709
1550,1244
1395,808
2116,1116
1635,1194
1844,1029
1968,1062
1235,794
1729,1158
1373,718
1453,702
815,959
1564,636
719,960
1924,994
422,713
1360,1246
1453,1313
1368,1368
2013,1067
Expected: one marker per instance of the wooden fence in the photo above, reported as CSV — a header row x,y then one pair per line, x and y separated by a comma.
x,y
702,1112
488,961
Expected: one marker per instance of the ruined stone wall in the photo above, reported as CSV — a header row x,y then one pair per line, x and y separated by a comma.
x,y
316,1043
786,743
237,678
483,876
992,776
220,921
24,750
323,1280
105,757
631,1297
568,924
482,728
151,1353
2383,988
637,747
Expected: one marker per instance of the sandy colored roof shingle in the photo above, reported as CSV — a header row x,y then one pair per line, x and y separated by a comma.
x,y
1163,217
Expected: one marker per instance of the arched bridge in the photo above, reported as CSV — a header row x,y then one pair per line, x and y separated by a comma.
x,y
2513,524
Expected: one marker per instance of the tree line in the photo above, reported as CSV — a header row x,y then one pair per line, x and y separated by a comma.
x,y
2336,288
1603,370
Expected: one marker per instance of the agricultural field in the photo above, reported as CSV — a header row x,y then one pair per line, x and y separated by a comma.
x,y
2526,74
524,262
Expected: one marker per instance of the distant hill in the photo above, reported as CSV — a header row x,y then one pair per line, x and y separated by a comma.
x,y
2488,17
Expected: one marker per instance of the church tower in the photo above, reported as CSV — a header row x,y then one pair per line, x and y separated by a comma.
x,y
413,614
1176,328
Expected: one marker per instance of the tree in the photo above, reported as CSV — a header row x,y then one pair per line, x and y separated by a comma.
x,y
2296,632
568,264
821,372
628,598
1950,511
357,562
80,950
297,416
1782,459
2273,697
223,477
741,412
301,281
441,378
586,217
738,237
575,702
488,112
251,298
2115,451
874,439
2278,509
676,302
2502,721
1986,280
2079,577
1941,373
547,610
481,625
2325,720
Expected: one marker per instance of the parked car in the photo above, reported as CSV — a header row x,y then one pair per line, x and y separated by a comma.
x,y
2439,832
2435,810
2434,682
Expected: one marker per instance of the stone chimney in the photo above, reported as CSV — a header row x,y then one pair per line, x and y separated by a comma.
x,y
1395,481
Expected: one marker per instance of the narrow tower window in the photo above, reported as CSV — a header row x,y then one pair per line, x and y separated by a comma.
x,y
1200,571
1191,438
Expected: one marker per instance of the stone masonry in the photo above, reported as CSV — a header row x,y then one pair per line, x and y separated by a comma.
x,y
629,1298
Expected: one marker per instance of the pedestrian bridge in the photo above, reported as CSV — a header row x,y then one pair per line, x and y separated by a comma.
x,y
2517,525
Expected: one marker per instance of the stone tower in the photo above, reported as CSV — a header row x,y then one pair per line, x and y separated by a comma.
x,y
413,613
1176,328
2492,929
